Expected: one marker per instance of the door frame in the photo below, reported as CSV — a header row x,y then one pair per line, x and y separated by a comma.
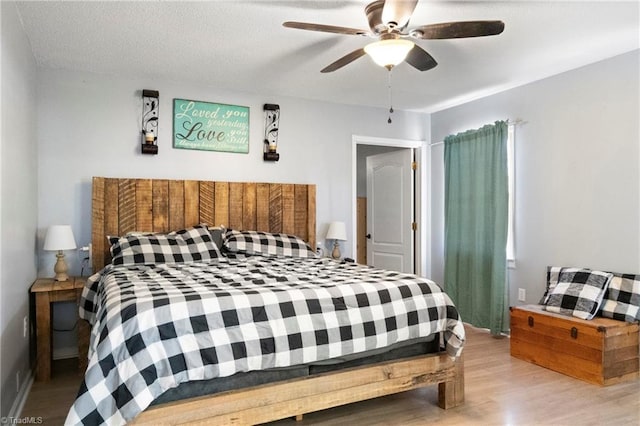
x,y
422,200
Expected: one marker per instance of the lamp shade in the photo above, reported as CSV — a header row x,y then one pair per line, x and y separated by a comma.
x,y
337,231
389,53
59,237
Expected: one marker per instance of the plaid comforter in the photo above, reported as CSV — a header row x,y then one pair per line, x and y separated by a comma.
x,y
157,326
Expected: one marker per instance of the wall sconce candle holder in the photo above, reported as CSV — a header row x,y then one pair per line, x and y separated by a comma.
x,y
272,120
150,121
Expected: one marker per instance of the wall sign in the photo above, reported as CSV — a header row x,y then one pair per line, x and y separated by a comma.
x,y
210,127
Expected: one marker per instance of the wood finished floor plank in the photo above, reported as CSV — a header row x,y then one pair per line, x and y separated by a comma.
x,y
499,390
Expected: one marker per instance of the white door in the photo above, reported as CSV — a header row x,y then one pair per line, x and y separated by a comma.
x,y
390,211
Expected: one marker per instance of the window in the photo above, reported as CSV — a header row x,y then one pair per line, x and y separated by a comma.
x,y
511,256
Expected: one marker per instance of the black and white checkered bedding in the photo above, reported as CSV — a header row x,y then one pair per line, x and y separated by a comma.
x,y
157,326
193,244
265,243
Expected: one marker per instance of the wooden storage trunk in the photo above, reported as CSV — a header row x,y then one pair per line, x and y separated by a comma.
x,y
601,351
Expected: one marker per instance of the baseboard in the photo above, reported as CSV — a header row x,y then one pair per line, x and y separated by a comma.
x,y
64,353
21,397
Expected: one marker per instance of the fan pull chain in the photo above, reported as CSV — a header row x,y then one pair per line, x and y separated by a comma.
x,y
390,98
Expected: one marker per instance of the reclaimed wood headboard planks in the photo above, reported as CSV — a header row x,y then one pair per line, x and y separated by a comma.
x,y
160,205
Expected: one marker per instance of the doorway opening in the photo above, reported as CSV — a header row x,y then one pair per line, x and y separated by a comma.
x,y
363,146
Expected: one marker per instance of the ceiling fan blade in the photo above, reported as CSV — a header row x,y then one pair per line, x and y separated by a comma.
x,y
324,28
398,11
346,59
460,29
420,59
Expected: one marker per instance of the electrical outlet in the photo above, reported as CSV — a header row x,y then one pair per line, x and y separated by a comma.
x,y
25,326
87,249
522,294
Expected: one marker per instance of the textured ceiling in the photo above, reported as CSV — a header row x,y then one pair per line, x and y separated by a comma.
x,y
241,45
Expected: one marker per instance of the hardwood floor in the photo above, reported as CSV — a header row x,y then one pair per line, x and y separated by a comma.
x,y
500,390
52,400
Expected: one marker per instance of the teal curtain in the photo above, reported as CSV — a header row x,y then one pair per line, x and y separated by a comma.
x,y
476,213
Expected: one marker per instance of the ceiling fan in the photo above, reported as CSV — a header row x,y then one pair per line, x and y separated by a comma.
x,y
388,22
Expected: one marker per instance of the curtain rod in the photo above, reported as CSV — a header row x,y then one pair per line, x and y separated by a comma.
x,y
515,122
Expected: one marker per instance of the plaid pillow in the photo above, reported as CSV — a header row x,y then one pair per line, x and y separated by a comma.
x,y
184,246
266,244
578,292
553,272
622,298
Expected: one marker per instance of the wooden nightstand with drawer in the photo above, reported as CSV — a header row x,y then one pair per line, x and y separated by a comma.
x,y
48,291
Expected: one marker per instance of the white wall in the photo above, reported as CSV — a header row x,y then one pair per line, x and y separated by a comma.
x,y
18,201
577,170
89,125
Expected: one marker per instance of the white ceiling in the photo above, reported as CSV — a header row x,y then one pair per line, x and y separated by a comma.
x,y
241,45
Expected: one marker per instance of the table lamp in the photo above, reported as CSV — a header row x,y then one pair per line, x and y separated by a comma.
x,y
59,238
337,232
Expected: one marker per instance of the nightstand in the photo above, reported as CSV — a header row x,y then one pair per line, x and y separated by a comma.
x,y
48,291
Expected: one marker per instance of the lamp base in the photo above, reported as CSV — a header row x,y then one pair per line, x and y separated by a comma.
x,y
60,268
336,250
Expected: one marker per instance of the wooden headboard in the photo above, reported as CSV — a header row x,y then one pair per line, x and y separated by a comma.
x,y
159,205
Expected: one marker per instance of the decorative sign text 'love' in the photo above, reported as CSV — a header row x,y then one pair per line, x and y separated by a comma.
x,y
210,127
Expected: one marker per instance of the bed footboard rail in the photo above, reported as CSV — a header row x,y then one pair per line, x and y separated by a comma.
x,y
295,397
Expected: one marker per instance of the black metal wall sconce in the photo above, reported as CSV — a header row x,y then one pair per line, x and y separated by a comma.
x,y
150,121
272,120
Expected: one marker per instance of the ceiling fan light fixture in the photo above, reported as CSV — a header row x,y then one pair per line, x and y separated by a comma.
x,y
389,53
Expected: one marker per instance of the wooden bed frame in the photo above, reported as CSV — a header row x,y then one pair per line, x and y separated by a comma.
x,y
124,205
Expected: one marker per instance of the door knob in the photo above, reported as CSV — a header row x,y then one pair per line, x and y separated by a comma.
x,y
368,236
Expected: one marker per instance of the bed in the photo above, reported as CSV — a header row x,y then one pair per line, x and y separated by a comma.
x,y
296,285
